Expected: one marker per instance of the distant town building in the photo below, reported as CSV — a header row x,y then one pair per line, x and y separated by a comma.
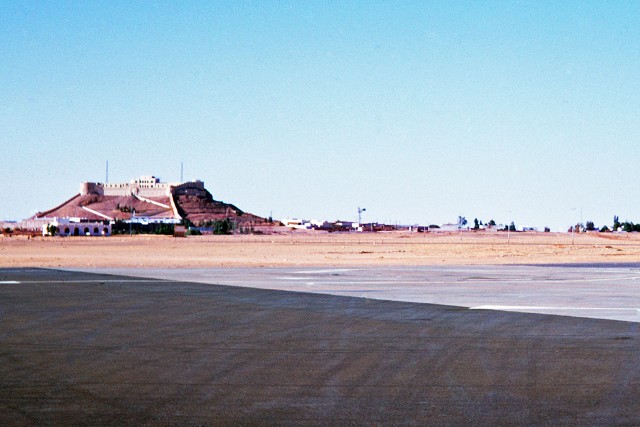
x,y
296,223
68,227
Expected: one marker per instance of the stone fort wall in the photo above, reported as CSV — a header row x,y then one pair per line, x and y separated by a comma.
x,y
143,187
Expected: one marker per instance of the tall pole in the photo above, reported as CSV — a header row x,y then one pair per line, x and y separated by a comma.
x,y
181,172
573,226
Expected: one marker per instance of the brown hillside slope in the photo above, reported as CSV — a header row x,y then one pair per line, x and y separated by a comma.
x,y
197,208
202,208
115,207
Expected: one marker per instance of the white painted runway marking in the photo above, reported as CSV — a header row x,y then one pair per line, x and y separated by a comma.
x,y
9,282
94,281
329,271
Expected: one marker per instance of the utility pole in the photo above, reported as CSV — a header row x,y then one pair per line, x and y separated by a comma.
x,y
181,172
573,226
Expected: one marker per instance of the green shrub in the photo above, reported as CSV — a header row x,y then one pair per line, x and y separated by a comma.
x,y
224,226
193,232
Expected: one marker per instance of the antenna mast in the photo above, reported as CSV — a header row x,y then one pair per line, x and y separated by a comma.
x,y
181,172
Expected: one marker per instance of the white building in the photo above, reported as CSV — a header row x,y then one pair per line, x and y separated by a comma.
x,y
69,227
300,224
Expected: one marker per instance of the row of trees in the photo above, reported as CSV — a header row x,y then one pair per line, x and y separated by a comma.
x,y
462,222
627,226
223,226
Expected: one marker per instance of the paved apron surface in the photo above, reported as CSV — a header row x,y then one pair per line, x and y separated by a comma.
x,y
84,348
611,292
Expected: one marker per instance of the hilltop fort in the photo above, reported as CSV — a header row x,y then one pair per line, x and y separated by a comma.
x,y
147,200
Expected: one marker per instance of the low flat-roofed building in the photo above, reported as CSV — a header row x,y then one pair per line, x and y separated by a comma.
x,y
66,227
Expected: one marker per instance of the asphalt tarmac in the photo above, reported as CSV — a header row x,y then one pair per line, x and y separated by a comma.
x,y
80,348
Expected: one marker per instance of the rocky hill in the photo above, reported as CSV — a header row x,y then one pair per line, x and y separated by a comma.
x,y
201,208
182,201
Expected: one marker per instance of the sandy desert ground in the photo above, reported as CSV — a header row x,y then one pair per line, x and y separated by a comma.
x,y
319,249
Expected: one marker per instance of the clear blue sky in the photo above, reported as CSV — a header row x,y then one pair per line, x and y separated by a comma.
x,y
418,111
